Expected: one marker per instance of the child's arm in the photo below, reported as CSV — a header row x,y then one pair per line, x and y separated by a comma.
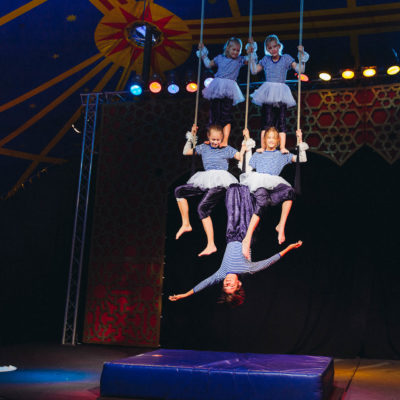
x,y
264,264
302,147
176,297
204,55
239,155
251,48
190,144
303,56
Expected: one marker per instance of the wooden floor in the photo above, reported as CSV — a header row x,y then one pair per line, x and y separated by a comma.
x,y
55,372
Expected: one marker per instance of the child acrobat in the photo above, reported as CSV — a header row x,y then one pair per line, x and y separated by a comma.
x,y
211,183
234,263
224,92
274,95
267,187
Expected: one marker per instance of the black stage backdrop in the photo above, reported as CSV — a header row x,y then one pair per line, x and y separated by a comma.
x,y
338,295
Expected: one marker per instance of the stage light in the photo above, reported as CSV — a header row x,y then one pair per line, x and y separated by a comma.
x,y
393,70
190,82
136,86
369,72
173,88
325,76
155,85
172,83
207,81
191,87
304,77
348,74
136,89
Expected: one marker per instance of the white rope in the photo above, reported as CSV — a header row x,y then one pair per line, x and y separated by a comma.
x,y
299,71
199,66
248,66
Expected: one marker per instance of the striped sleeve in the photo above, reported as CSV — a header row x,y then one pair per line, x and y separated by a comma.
x,y
264,264
211,280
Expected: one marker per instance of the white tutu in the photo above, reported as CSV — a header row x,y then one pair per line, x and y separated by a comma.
x,y
255,180
273,93
221,87
212,178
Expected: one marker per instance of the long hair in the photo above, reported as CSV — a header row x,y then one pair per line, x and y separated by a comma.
x,y
272,38
233,299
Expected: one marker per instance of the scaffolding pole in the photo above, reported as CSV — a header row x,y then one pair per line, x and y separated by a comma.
x,y
91,102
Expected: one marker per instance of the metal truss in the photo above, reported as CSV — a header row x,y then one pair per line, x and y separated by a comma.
x,y
91,102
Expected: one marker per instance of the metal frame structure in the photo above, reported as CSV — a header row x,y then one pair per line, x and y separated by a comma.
x,y
91,102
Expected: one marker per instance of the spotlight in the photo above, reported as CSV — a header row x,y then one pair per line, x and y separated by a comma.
x,y
172,84
369,72
348,74
325,76
208,77
393,70
303,78
136,86
191,85
155,85
207,81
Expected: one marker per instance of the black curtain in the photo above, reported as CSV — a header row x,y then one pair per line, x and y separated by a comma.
x,y
338,295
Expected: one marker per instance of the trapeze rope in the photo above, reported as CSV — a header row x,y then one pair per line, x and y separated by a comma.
x,y
299,73
196,109
246,116
248,66
297,178
199,66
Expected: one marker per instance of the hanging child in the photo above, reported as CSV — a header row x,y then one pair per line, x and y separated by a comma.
x,y
210,184
239,209
267,187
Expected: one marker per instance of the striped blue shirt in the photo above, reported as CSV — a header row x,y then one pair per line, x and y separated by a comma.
x,y
228,68
234,262
215,158
276,71
270,162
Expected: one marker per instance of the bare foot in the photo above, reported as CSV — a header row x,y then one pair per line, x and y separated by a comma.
x,y
281,233
284,150
183,229
246,248
208,250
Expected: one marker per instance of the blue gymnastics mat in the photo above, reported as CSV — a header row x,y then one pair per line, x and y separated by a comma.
x,y
208,375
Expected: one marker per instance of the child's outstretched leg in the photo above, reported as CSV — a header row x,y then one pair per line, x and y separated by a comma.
x,y
184,210
246,243
209,230
280,228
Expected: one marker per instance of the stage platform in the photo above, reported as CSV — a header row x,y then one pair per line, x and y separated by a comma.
x,y
206,375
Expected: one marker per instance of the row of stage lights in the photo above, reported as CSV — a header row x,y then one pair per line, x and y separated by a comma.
x,y
155,84
367,72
